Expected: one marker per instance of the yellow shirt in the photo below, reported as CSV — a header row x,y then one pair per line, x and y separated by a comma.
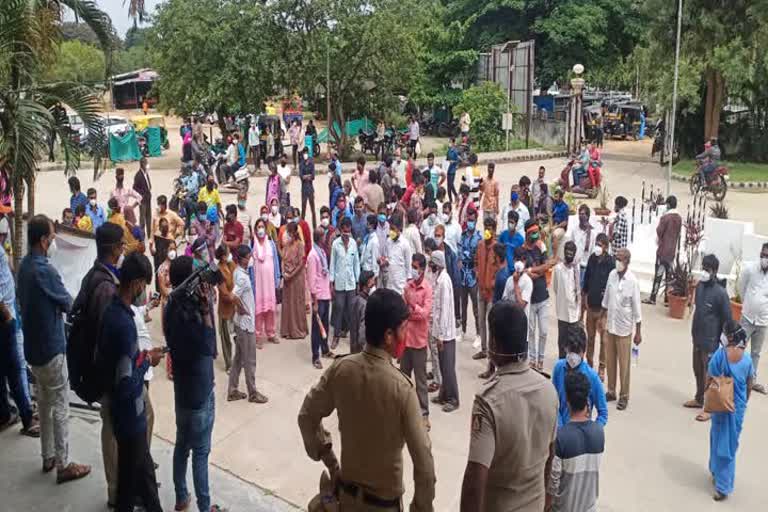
x,y
209,198
85,224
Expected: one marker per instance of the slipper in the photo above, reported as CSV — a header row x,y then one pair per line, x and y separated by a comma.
x,y
33,430
258,398
622,404
329,355
693,404
274,340
73,471
48,465
703,416
236,395
317,364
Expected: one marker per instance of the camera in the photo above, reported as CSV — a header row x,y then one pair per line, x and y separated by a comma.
x,y
191,285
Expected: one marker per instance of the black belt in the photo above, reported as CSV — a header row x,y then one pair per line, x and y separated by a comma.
x,y
369,499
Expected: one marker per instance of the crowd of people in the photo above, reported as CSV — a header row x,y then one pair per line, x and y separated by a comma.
x,y
393,265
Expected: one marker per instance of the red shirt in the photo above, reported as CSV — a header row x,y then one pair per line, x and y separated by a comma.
x,y
418,297
233,232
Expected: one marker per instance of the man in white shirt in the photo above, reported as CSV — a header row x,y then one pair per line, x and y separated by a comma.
x,y
413,136
244,217
464,123
397,262
411,232
452,228
232,157
753,284
516,205
253,143
144,340
566,283
399,166
519,286
431,221
370,253
442,332
245,333
621,304
584,237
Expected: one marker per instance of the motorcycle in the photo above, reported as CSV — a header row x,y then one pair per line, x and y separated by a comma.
x,y
588,185
367,141
717,185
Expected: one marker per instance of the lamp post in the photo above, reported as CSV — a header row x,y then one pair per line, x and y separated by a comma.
x,y
574,126
674,97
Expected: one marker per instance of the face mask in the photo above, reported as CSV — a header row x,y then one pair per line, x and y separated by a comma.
x,y
534,237
391,206
241,204
705,277
512,226
764,263
382,218
264,217
171,255
393,234
569,258
598,250
432,218
487,234
141,298
92,202
52,248
515,197
295,220
621,266
261,232
229,258
371,290
274,210
120,260
444,218
325,222
519,266
573,359
438,240
471,225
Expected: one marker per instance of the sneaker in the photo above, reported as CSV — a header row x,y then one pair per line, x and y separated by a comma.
x,y
317,364
760,388
258,398
610,397
477,343
480,355
450,407
649,301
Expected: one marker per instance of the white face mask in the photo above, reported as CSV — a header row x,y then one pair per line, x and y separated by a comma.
x,y
438,240
325,222
621,266
373,289
92,202
391,206
598,250
265,217
512,226
261,232
705,276
171,255
52,248
120,261
573,359
274,210
519,266
432,218
229,258
764,263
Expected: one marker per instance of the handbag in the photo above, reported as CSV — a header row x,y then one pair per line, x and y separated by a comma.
x,y
718,397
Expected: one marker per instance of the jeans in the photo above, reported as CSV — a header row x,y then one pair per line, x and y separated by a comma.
x,y
484,308
414,361
245,360
53,406
145,220
12,370
756,335
468,294
342,303
308,196
700,371
193,433
537,319
136,475
452,187
449,391
662,269
318,342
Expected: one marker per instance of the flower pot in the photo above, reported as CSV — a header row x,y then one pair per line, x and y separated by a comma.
x,y
603,212
677,305
736,311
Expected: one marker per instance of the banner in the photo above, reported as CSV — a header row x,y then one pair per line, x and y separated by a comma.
x,y
74,256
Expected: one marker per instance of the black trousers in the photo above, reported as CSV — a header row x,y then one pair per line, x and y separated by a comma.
x,y
308,197
701,359
136,475
449,390
662,269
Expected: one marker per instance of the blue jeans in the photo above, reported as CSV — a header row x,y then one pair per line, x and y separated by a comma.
x,y
193,432
14,369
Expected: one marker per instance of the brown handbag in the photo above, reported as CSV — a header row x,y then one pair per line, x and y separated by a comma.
x,y
718,397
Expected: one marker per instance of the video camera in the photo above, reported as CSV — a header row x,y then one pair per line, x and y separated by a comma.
x,y
190,286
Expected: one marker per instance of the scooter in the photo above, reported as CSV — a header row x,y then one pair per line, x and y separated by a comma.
x,y
588,185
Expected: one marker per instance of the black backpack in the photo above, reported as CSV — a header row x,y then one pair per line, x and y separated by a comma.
x,y
87,377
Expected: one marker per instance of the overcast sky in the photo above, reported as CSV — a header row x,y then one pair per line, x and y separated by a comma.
x,y
119,13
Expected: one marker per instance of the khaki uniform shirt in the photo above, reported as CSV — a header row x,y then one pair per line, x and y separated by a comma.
x,y
378,412
514,422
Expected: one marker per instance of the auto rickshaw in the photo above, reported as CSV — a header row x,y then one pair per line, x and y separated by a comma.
x,y
623,120
141,123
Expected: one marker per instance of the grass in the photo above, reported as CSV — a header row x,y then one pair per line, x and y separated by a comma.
x,y
739,171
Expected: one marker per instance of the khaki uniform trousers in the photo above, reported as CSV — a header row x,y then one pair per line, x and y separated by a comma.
x,y
618,350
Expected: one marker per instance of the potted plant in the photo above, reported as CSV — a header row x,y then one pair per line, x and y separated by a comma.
x,y
718,210
678,287
736,299
603,197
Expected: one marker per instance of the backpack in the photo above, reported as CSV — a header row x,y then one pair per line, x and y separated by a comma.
x,y
87,378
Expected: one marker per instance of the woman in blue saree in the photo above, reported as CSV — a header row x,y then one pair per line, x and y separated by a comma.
x,y
732,361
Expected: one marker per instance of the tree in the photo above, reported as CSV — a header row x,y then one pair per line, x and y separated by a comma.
x,y
213,56
77,62
373,49
31,111
485,103
136,10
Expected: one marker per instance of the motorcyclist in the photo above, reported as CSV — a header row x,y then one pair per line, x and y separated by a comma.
x,y
581,165
709,160
191,179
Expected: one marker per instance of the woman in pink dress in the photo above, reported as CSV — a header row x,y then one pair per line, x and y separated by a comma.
x,y
266,271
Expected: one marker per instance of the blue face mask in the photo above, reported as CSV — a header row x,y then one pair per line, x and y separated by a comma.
x,y
382,218
471,225
515,196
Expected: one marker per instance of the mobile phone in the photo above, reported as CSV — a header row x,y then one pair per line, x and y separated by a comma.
x,y
155,296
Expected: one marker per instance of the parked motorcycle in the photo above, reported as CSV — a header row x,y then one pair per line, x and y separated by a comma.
x,y
367,141
717,184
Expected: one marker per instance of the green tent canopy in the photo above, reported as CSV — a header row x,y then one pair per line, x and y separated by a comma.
x,y
124,148
352,128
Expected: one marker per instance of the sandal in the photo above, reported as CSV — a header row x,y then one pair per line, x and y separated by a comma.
x,y
693,404
33,430
73,471
329,355
623,402
236,395
274,340
703,416
433,387
450,407
258,398
48,465
317,364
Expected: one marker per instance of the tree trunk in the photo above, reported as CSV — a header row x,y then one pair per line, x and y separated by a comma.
x,y
18,224
31,195
220,114
713,104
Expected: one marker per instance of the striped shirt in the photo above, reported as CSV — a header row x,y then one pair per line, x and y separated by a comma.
x,y
575,471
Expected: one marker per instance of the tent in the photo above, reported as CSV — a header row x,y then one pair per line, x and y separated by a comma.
x,y
124,148
154,140
352,128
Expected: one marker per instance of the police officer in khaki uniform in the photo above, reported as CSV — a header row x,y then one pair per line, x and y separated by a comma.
x,y
378,412
514,421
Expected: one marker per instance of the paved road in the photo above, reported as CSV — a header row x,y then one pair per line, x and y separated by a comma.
x,y
656,454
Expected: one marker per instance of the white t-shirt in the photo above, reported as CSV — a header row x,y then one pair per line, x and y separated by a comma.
x,y
526,288
284,172
142,334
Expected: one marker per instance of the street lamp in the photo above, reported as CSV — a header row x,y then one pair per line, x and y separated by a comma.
x,y
674,97
577,87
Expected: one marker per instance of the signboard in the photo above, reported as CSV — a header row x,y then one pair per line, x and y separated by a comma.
x,y
507,120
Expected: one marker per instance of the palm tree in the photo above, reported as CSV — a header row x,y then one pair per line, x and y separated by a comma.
x,y
136,10
30,111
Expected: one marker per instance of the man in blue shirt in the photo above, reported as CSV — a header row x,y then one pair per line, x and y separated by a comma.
x,y
470,239
94,210
574,361
359,221
344,274
43,300
559,222
77,198
511,239
125,366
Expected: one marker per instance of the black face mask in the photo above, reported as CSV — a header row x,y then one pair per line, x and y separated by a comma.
x,y
569,258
